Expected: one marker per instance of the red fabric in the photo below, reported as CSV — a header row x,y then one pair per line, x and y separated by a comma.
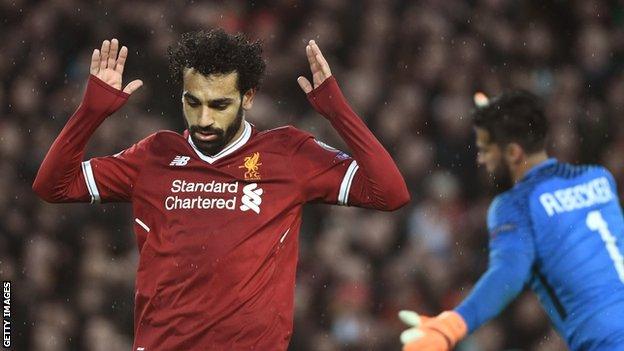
x,y
60,177
378,184
220,277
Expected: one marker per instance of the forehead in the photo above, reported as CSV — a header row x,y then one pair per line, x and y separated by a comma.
x,y
483,136
213,86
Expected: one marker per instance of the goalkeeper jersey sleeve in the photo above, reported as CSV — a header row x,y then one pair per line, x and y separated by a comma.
x,y
511,257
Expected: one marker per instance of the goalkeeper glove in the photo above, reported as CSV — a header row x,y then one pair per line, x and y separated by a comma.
x,y
439,333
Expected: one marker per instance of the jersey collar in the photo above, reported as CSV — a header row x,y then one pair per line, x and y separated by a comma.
x,y
538,167
237,144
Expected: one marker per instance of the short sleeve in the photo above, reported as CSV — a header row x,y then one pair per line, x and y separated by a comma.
x,y
325,173
112,178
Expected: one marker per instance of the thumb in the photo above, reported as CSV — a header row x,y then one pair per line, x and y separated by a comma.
x,y
305,85
411,335
410,318
133,86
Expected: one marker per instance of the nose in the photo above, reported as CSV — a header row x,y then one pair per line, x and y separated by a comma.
x,y
480,159
205,119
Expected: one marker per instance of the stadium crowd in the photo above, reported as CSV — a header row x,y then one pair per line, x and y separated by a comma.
x,y
409,68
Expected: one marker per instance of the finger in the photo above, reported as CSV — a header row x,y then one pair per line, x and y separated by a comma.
x,y
121,60
133,86
95,62
320,59
324,66
104,55
411,335
410,318
112,56
305,85
311,58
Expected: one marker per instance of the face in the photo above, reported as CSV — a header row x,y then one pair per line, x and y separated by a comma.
x,y
491,157
213,109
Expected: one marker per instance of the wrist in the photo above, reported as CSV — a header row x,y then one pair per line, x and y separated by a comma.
x,y
327,98
454,326
101,98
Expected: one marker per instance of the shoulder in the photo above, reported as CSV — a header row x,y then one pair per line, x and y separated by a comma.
x,y
603,171
286,136
164,136
501,204
565,176
507,211
158,141
286,131
586,172
562,170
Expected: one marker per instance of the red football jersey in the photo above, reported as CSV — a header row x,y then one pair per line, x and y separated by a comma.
x,y
218,235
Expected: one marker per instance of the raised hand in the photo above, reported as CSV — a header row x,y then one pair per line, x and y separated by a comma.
x,y
108,64
318,66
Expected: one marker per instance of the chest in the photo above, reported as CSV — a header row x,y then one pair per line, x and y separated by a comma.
x,y
250,186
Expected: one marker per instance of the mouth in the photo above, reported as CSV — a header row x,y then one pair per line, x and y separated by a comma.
x,y
201,136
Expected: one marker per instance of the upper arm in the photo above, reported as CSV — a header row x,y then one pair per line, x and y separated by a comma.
x,y
511,258
324,173
112,178
510,231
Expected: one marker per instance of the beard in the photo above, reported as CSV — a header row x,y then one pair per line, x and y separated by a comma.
x,y
213,147
500,178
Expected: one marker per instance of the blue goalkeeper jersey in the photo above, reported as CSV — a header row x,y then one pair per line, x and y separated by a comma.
x,y
559,230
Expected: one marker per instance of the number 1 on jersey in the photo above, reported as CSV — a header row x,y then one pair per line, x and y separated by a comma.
x,y
596,222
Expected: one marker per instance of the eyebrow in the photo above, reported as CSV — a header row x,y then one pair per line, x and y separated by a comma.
x,y
219,101
190,96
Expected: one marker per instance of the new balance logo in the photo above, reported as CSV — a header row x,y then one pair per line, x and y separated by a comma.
x,y
180,161
251,198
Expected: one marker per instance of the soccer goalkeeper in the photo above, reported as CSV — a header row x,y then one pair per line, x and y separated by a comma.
x,y
217,209
555,227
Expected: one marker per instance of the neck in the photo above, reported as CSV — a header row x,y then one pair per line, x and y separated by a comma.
x,y
529,162
237,135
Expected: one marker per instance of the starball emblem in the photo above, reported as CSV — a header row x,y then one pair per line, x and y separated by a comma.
x,y
251,165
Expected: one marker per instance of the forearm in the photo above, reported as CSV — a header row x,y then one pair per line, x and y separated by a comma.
x,y
382,180
500,284
60,177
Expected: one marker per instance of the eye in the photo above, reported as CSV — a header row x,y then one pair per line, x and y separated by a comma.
x,y
192,103
221,107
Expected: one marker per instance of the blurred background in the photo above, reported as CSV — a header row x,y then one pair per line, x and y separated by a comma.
x,y
409,68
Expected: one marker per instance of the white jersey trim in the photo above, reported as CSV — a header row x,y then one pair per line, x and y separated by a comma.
x,y
87,171
143,225
284,236
345,186
237,144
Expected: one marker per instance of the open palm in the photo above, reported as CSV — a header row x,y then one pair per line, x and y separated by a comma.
x,y
318,66
108,64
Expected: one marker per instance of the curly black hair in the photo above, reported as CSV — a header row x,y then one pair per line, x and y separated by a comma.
x,y
217,52
515,116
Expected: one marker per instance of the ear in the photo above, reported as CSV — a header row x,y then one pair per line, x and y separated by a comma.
x,y
514,154
248,99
